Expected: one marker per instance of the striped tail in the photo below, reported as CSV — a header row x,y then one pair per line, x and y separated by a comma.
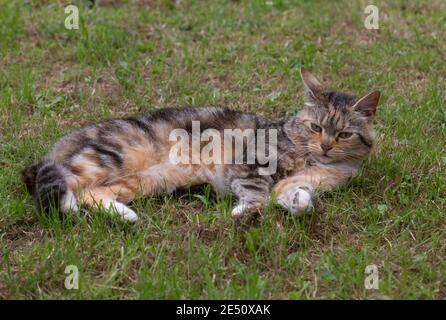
x,y
46,182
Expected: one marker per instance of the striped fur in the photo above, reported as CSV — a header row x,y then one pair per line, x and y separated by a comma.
x,y
112,162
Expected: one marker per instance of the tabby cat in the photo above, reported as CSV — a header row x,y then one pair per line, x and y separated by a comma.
x,y
111,162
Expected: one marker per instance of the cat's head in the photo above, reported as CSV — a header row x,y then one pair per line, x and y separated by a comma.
x,y
334,126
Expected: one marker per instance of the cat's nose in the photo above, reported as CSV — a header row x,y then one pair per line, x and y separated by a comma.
x,y
326,147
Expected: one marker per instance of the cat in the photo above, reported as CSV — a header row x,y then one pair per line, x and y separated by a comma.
x,y
112,162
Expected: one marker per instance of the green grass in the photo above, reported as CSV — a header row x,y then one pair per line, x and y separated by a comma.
x,y
142,55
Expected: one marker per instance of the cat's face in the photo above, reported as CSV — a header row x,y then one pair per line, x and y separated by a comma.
x,y
335,126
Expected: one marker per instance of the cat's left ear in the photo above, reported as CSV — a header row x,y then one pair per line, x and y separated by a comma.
x,y
367,105
311,84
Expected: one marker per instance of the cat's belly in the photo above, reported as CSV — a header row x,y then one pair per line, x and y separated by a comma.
x,y
168,177
214,175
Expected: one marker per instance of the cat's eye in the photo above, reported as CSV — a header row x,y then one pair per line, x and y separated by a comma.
x,y
345,135
315,127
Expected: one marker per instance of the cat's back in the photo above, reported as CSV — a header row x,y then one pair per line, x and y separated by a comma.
x,y
152,128
218,118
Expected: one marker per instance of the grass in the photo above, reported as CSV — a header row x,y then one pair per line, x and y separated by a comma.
x,y
136,56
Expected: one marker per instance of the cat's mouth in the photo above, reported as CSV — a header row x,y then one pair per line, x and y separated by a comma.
x,y
323,158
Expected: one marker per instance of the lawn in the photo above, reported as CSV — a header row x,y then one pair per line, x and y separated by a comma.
x,y
135,56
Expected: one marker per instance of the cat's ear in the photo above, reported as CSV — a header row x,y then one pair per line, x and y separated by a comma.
x,y
311,85
367,105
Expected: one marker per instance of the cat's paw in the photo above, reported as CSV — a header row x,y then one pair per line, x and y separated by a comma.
x,y
123,211
69,203
243,209
239,210
297,201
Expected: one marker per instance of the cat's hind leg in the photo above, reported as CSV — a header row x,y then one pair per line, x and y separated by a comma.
x,y
116,193
68,202
108,197
122,210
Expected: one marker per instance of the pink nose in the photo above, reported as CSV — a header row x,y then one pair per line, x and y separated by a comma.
x,y
326,147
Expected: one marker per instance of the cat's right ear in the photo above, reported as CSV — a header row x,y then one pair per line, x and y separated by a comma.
x,y
311,85
367,105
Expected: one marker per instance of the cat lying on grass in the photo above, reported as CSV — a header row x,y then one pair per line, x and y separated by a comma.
x,y
112,162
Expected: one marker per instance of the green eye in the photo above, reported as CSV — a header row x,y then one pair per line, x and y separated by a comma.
x,y
315,127
345,135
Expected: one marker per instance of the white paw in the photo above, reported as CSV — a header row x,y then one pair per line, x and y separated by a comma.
x,y
240,209
69,203
297,201
124,212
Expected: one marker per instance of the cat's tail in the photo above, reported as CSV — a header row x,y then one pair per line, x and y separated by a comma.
x,y
46,182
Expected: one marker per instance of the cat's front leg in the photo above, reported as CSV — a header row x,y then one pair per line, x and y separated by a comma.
x,y
297,199
296,193
252,194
